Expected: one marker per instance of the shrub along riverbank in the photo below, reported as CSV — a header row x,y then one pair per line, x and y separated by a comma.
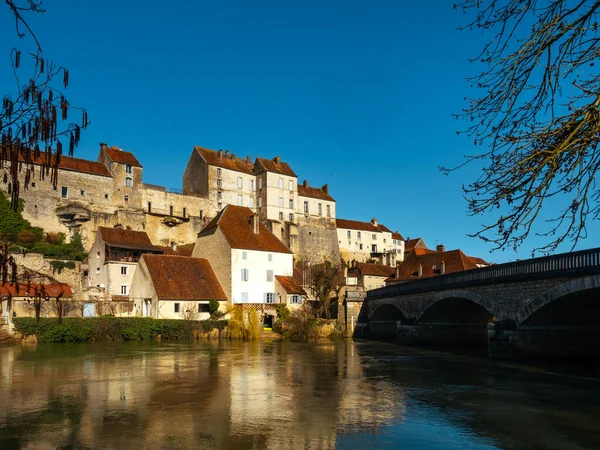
x,y
106,329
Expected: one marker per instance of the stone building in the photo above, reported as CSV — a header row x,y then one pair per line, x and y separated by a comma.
x,y
369,242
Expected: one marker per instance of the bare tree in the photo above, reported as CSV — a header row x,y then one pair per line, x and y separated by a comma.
x,y
537,118
189,311
324,282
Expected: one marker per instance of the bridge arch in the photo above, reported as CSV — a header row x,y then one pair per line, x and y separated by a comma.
x,y
563,300
472,305
387,312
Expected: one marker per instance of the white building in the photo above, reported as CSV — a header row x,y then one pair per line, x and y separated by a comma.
x,y
369,241
245,256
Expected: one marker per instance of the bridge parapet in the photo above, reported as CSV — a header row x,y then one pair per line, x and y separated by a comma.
x,y
563,265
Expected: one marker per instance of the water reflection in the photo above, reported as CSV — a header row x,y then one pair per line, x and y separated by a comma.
x,y
284,395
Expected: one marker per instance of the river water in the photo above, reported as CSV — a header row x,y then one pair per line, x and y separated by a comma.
x,y
280,395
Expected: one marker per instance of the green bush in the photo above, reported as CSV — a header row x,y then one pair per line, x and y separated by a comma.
x,y
112,328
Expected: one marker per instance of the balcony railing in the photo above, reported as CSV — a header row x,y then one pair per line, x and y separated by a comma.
x,y
548,266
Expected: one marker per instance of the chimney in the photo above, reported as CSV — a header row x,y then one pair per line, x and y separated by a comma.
x,y
374,221
397,270
420,271
232,156
442,268
254,223
440,248
305,183
248,160
220,154
277,160
102,145
325,189
227,154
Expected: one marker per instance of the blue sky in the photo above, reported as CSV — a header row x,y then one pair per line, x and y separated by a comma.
x,y
355,94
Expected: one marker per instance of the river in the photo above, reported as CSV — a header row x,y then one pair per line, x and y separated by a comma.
x,y
280,395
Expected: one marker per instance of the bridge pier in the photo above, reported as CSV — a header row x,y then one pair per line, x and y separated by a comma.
x,y
510,340
442,334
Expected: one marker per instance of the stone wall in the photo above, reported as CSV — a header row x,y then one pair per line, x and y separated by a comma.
x,y
317,241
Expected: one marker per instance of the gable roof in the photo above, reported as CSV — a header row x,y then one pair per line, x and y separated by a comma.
x,y
275,165
183,278
219,159
290,285
479,261
135,240
397,236
373,270
65,163
121,156
454,260
305,190
53,290
234,222
361,226
410,244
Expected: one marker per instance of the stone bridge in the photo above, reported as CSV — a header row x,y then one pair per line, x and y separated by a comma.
x,y
541,307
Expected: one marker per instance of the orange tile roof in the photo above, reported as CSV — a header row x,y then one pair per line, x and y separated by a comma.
x,y
361,226
290,285
410,244
270,165
118,237
183,278
235,223
66,163
52,290
312,192
398,236
226,162
121,156
455,261
478,260
181,250
373,270
422,251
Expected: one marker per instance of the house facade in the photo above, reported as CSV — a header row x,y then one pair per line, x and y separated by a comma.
x,y
369,241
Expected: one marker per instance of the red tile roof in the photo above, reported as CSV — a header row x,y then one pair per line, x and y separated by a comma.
x,y
397,236
410,244
479,261
226,162
181,250
312,192
52,290
235,223
121,156
373,270
136,240
290,285
183,278
455,261
271,165
67,163
361,226
422,251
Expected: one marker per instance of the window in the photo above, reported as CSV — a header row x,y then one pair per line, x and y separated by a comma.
x,y
296,299
291,185
219,183
281,183
244,255
244,297
184,212
219,206
291,203
270,257
82,192
328,210
218,171
123,270
384,241
251,204
203,308
361,246
149,206
305,207
32,184
128,168
349,234
64,192
251,185
374,248
176,307
291,217
97,254
269,275
374,237
244,274
320,209
219,195
123,289
260,202
240,183
97,270
260,183
358,234
128,182
106,196
171,210
126,198
269,297
280,216
281,202
240,200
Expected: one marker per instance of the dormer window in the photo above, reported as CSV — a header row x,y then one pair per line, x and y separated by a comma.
x,y
128,168
128,182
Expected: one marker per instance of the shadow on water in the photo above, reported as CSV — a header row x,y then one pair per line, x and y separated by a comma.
x,y
237,395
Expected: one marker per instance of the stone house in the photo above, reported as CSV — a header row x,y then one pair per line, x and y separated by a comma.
x,y
369,241
113,260
368,276
245,256
174,287
289,291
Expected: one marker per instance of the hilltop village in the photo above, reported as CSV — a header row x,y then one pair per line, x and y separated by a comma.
x,y
239,231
